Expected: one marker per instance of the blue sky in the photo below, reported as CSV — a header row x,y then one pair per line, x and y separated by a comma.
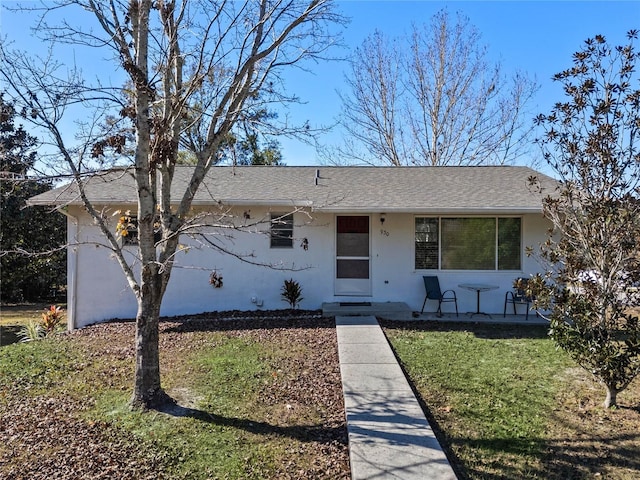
x,y
537,37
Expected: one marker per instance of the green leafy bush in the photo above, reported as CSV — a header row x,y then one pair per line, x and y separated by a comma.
x,y
31,331
34,330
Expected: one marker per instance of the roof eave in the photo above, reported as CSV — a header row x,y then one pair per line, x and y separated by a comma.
x,y
436,211
292,203
257,203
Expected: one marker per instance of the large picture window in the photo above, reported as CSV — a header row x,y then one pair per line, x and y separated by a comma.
x,y
468,243
281,230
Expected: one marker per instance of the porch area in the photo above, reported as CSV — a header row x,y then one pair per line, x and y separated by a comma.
x,y
401,311
377,309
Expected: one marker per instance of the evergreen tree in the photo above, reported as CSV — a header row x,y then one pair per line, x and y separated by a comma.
x,y
591,142
25,231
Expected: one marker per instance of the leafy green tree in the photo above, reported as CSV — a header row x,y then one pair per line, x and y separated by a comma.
x,y
591,142
246,148
253,148
250,152
25,231
245,144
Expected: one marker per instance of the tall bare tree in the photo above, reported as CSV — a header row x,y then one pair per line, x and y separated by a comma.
x,y
372,112
194,70
433,98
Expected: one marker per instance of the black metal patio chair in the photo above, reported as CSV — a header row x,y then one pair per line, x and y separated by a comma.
x,y
433,292
518,296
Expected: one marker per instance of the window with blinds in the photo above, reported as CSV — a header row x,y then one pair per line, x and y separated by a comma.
x,y
426,243
468,243
281,230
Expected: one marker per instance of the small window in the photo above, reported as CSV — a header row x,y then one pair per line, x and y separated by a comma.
x,y
281,230
130,233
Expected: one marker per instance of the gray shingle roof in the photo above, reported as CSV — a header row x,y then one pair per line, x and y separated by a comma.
x,y
338,189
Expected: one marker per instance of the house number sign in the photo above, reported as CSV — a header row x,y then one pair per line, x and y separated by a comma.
x,y
384,232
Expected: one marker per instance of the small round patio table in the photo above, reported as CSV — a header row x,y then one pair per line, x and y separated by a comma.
x,y
478,288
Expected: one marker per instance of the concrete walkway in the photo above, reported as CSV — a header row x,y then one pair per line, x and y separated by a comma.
x,y
389,436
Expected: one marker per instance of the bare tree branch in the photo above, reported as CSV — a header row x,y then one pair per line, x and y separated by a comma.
x,y
193,71
434,99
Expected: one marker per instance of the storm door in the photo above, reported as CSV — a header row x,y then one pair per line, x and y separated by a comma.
x,y
353,258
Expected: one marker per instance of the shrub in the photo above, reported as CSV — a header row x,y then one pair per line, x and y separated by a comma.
x,y
31,331
49,323
292,292
51,318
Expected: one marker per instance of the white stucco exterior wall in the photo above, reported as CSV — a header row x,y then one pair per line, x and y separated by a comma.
x,y
98,290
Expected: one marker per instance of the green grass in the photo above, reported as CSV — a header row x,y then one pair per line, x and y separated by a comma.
x,y
222,388
225,424
238,368
35,368
490,390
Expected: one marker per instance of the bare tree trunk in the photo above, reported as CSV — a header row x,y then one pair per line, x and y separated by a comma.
x,y
611,399
228,52
147,392
147,372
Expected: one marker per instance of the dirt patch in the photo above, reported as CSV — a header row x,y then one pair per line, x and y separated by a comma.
x,y
585,440
42,439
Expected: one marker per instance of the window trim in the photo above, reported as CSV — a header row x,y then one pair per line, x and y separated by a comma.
x,y
287,225
439,227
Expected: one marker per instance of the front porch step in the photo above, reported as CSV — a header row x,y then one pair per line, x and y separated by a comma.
x,y
383,309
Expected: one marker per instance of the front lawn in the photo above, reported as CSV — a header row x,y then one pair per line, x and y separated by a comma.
x,y
509,405
255,398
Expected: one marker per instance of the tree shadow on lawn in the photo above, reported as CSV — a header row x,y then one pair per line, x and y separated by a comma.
x,y
492,331
587,455
9,334
566,458
302,433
